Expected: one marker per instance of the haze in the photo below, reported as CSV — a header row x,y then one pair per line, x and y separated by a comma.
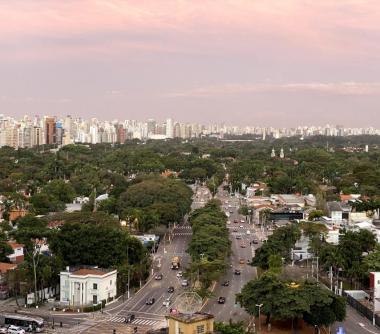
x,y
280,63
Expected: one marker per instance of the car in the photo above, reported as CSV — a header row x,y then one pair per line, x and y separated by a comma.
x,y
236,221
15,330
235,230
180,274
242,221
158,277
238,237
129,318
237,272
228,222
185,282
166,302
241,226
221,300
242,246
171,289
248,232
241,261
226,283
150,301
255,241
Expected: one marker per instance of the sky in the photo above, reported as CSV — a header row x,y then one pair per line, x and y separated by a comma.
x,y
244,62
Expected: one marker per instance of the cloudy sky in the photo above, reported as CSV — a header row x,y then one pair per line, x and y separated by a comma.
x,y
258,62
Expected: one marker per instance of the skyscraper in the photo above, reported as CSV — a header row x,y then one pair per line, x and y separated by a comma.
x,y
50,131
169,128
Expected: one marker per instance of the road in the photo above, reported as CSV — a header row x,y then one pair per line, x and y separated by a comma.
x,y
153,316
239,237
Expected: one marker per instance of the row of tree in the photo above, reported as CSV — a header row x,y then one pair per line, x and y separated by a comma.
x,y
210,244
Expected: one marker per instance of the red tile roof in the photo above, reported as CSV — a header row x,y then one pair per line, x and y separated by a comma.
x,y
15,245
4,267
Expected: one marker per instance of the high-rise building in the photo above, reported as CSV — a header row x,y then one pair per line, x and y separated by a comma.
x,y
151,127
50,131
169,128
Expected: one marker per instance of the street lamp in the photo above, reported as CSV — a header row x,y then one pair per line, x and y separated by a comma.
x,y
259,306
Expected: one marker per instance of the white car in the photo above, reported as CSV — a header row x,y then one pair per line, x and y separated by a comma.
x,y
15,330
179,274
185,282
241,226
248,232
166,302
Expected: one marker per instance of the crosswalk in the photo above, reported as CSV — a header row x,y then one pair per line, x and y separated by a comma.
x,y
182,233
137,321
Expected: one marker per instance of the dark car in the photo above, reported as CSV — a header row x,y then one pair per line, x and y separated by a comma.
x,y
255,241
150,301
237,272
171,289
221,300
158,277
129,318
226,283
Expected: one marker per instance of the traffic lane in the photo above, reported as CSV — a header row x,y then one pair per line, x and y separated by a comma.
x,y
158,289
356,324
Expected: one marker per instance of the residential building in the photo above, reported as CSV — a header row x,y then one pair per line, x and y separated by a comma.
x,y
85,286
50,131
18,252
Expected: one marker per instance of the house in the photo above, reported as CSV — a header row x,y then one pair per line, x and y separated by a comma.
x,y
4,270
289,200
86,286
338,211
18,252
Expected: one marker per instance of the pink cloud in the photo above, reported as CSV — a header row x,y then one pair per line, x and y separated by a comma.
x,y
331,88
326,26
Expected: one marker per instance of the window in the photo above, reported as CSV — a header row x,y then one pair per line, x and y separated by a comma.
x,y
111,282
94,299
200,329
95,286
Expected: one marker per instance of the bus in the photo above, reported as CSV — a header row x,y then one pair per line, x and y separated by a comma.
x,y
29,323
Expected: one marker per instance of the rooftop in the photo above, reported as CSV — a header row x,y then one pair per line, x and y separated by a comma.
x,y
84,271
4,267
189,318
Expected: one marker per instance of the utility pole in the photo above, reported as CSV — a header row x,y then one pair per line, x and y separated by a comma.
x,y
259,306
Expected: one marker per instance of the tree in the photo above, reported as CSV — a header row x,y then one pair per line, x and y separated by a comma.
x,y
5,249
315,214
231,328
372,260
285,300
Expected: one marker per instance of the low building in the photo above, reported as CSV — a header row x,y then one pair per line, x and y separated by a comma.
x,y
199,323
87,286
18,252
5,268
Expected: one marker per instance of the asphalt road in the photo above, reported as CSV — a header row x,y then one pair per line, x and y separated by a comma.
x,y
239,238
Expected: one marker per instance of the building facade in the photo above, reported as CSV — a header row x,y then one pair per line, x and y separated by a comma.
x,y
81,287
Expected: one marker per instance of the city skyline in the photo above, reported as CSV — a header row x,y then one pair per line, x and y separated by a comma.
x,y
273,63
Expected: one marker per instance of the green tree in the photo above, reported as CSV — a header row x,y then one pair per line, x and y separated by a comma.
x,y
231,328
